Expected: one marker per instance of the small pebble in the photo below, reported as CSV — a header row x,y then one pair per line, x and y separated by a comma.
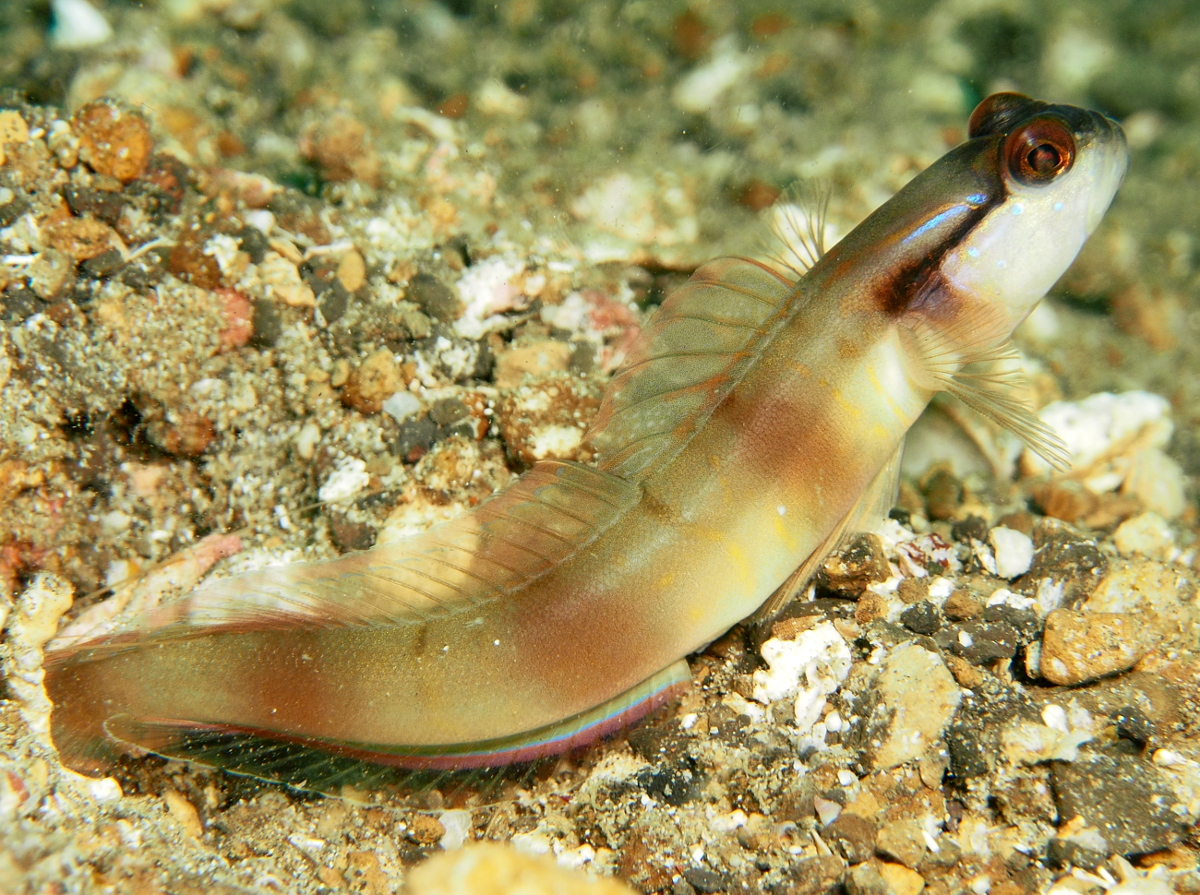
x,y
902,841
531,360
1133,725
849,571
1014,551
960,606
917,698
1084,646
913,590
901,880
1146,535
372,382
352,271
488,868
943,495
870,607
113,141
923,618
435,298
852,835
1125,798
973,528
425,829
13,131
1158,483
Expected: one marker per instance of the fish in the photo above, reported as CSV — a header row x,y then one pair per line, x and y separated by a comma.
x,y
758,419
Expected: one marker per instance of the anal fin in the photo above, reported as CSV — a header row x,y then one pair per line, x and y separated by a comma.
x,y
326,767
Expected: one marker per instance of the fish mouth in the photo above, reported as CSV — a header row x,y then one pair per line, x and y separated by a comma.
x,y
1111,152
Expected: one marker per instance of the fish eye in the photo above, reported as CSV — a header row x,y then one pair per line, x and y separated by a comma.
x,y
1039,151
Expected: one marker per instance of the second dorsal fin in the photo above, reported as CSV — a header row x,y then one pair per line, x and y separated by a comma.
x,y
691,353
554,511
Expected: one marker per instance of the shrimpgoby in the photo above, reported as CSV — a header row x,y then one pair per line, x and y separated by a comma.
x,y
759,417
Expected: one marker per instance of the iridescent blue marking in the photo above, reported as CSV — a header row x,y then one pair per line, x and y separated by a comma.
x,y
937,221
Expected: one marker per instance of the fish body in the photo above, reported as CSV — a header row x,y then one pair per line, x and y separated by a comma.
x,y
759,417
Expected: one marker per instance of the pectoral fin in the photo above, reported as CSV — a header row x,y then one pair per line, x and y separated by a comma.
x,y
983,370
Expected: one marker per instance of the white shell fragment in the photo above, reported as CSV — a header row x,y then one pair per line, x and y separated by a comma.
x,y
77,25
812,667
1013,551
345,481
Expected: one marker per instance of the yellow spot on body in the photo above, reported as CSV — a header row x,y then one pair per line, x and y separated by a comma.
x,y
666,580
741,563
782,533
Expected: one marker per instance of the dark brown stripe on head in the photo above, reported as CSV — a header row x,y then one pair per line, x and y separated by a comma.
x,y
893,257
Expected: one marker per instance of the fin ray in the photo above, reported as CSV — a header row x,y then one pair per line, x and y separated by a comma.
x,y
729,307
982,368
556,510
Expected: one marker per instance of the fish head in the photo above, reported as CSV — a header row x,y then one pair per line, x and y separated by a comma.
x,y
1053,172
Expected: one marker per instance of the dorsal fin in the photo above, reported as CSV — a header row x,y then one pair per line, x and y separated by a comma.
x,y
688,357
555,510
799,225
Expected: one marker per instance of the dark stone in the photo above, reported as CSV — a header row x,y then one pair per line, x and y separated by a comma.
x,y
658,744
268,325
850,570
1062,853
100,204
414,439
12,210
317,279
583,358
973,528
21,304
485,361
103,265
853,836
333,302
900,515
838,795
448,411
674,785
923,618
143,274
435,298
943,495
253,242
1124,797
1133,725
1025,622
351,535
164,184
973,736
1063,554
989,641
704,880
